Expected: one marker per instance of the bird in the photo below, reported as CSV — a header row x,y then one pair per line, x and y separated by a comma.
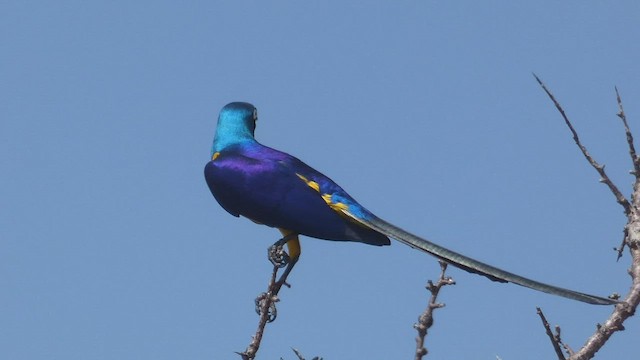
x,y
275,189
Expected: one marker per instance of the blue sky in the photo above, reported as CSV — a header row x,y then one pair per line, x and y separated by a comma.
x,y
111,246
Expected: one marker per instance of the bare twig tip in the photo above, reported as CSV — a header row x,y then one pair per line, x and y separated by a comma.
x,y
556,341
537,78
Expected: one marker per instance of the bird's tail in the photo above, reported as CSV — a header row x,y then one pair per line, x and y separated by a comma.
x,y
475,266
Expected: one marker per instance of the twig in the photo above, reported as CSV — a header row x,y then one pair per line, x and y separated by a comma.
x,y
623,243
300,357
265,305
425,321
555,339
627,130
566,347
634,159
604,178
298,354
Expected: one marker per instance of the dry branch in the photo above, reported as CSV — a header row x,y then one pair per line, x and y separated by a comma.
x,y
556,341
627,307
426,319
604,178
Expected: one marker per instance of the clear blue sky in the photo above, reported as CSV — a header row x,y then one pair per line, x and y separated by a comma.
x,y
111,246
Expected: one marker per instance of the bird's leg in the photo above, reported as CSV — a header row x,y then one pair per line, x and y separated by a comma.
x,y
292,262
265,302
283,259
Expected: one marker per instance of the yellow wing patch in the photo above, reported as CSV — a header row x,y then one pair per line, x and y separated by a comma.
x,y
312,184
337,206
343,210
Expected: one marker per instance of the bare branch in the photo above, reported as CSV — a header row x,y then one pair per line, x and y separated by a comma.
x,y
266,302
425,321
634,159
566,347
300,357
627,307
555,339
298,354
265,306
632,149
623,243
604,178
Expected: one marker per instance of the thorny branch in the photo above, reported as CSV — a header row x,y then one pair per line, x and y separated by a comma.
x,y
627,307
634,159
632,148
266,302
265,306
426,319
599,168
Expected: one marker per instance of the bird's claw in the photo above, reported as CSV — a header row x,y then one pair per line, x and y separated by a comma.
x,y
272,312
278,256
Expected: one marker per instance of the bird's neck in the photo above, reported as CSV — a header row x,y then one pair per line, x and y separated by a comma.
x,y
223,141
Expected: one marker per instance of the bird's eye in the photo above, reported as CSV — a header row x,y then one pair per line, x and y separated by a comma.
x,y
255,114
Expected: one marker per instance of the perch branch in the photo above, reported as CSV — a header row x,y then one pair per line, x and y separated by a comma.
x,y
265,306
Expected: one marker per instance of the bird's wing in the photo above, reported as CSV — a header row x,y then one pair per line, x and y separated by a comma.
x,y
270,188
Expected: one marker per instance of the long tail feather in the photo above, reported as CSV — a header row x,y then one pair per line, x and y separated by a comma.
x,y
475,266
